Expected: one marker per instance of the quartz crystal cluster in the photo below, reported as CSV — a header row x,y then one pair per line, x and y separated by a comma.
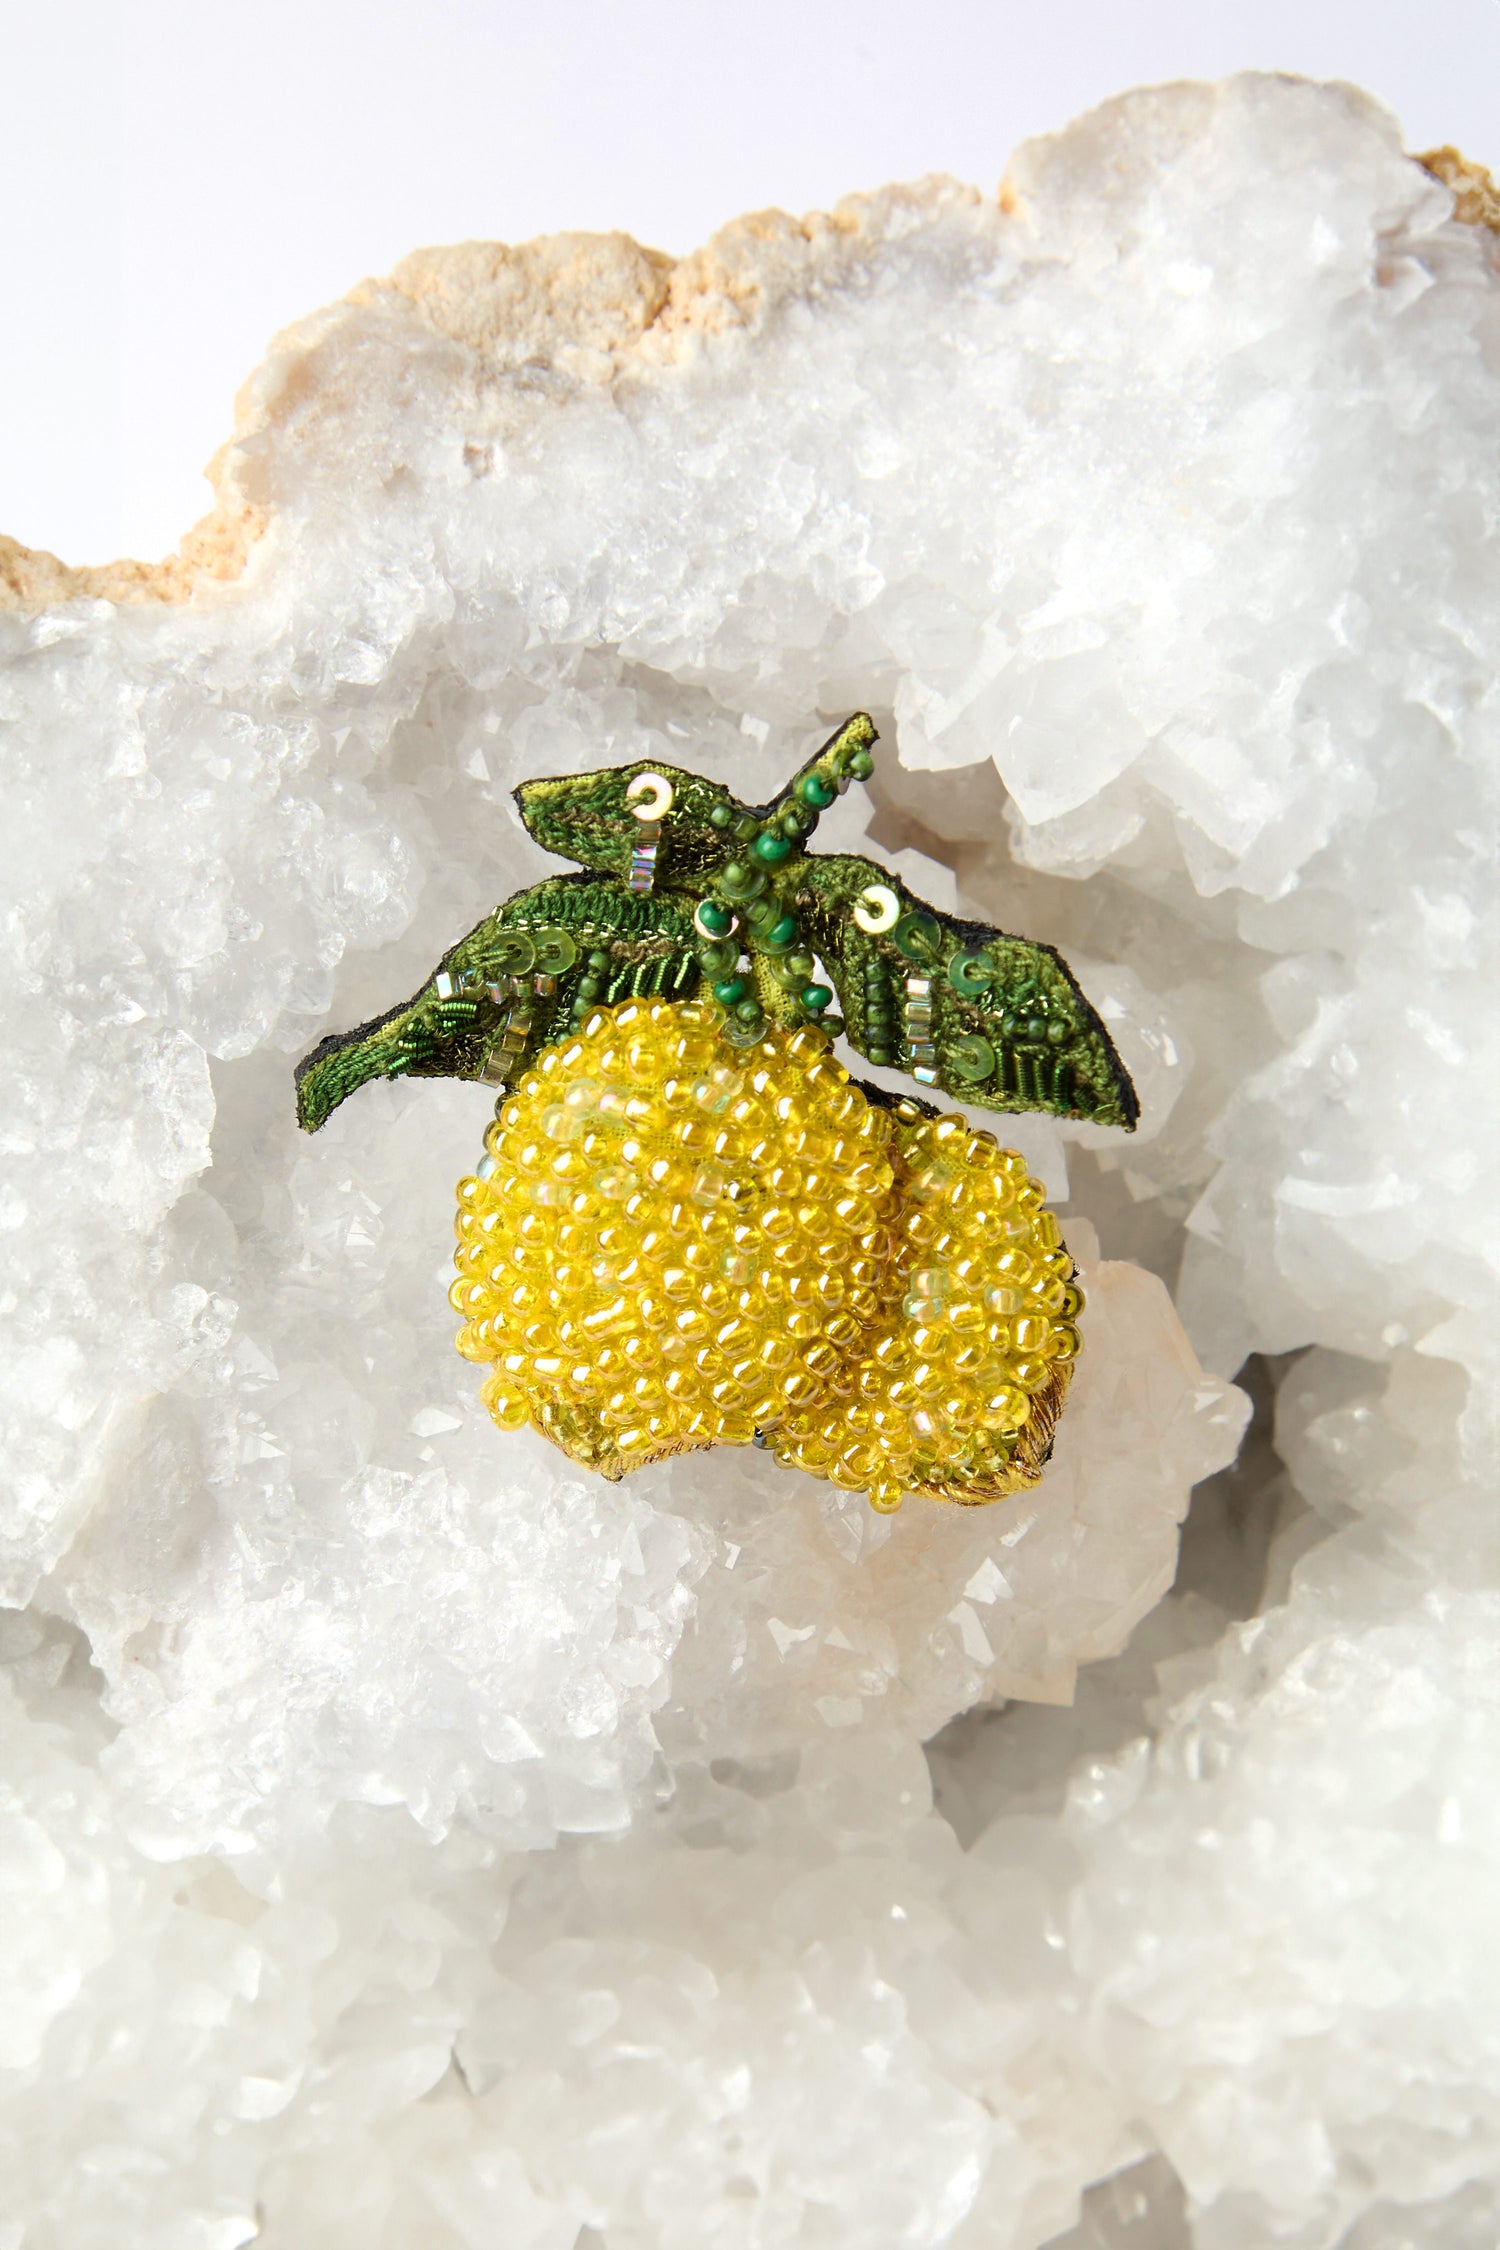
x,y
413,1840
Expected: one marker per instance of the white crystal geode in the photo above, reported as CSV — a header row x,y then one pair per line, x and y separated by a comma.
x,y
413,1844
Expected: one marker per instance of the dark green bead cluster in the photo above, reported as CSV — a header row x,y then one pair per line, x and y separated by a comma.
x,y
593,985
744,912
881,1040
1033,1027
1018,1049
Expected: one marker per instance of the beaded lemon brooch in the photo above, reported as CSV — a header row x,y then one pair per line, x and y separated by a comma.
x,y
691,1226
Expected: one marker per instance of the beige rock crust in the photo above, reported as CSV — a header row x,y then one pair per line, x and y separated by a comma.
x,y
1476,199
590,303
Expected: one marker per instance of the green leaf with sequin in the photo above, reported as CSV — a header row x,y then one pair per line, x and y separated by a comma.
x,y
995,1021
590,818
516,983
684,885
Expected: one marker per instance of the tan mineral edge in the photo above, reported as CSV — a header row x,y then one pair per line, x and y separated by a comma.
x,y
598,301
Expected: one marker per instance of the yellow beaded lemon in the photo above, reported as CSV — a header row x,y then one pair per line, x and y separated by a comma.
x,y
691,1226
680,1243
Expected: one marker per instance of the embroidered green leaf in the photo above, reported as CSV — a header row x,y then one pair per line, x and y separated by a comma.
x,y
995,1021
518,981
683,885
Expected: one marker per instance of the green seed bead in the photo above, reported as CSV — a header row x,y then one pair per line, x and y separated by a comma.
x,y
771,848
784,934
739,882
760,914
815,791
714,917
749,1011
1057,1031
720,816
800,963
1036,1027
815,998
880,1055
732,989
598,960
861,765
717,958
794,824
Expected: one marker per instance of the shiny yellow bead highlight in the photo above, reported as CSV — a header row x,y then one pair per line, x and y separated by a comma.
x,y
685,1243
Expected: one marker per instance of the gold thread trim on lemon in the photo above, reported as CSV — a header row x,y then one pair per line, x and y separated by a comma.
x,y
683,1243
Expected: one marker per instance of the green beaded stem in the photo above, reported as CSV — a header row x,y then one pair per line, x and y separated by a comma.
x,y
738,902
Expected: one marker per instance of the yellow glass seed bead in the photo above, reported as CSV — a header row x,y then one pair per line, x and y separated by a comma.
x,y
507,1405
1031,1374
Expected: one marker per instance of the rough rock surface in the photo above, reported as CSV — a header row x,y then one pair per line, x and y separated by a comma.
x,y
412,1842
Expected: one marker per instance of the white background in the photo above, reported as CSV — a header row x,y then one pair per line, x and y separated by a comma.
x,y
183,177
